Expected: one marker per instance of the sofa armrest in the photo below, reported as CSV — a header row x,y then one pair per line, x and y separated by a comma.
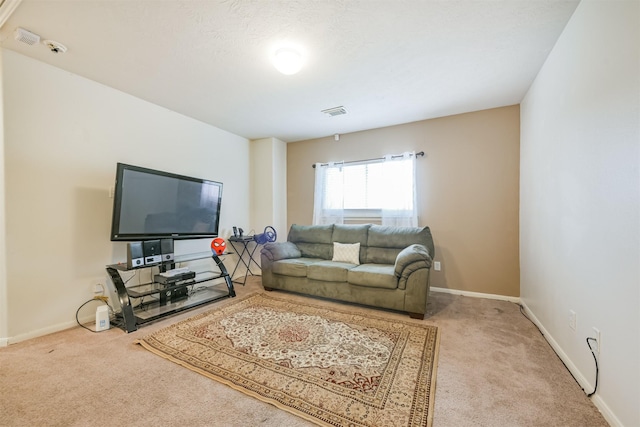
x,y
280,250
412,258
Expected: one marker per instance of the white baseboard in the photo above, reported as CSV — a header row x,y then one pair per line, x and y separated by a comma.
x,y
476,294
606,412
46,331
4,342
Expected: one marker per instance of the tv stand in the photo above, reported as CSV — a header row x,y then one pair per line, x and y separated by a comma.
x,y
164,300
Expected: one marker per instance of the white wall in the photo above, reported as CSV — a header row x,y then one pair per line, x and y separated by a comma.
x,y
280,189
63,136
4,306
269,185
580,198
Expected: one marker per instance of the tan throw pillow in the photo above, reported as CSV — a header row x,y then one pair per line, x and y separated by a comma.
x,y
346,252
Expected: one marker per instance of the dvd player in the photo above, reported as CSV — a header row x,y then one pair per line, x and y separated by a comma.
x,y
174,278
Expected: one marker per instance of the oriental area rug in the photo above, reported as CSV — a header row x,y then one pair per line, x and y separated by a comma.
x,y
331,367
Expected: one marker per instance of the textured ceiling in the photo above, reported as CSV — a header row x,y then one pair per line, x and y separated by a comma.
x,y
386,61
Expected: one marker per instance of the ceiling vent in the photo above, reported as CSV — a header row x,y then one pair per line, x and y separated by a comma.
x,y
335,111
26,36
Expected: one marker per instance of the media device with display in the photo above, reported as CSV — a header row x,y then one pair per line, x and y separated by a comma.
x,y
151,204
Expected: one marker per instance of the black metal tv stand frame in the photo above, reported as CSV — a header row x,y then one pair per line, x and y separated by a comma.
x,y
166,299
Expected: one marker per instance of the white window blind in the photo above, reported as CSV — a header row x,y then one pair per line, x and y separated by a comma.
x,y
383,188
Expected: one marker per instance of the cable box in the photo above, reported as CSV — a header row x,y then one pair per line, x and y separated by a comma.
x,y
175,278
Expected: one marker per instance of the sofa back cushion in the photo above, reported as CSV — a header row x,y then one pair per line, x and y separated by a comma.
x,y
385,243
314,241
378,244
356,233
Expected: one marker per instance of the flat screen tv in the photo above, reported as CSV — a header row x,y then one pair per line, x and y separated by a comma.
x,y
151,204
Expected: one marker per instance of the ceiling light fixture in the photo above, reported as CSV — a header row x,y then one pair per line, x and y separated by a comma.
x,y
288,60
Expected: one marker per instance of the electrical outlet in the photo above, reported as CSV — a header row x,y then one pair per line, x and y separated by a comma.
x,y
98,289
572,319
436,265
597,336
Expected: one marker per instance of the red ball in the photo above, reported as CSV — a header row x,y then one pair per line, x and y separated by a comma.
x,y
218,245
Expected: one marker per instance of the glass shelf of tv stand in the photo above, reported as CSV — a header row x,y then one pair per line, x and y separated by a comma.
x,y
177,260
151,301
145,289
152,307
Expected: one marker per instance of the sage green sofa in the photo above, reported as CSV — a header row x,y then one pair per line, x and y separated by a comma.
x,y
388,267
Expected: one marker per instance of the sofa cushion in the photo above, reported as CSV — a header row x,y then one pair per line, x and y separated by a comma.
x,y
329,271
281,250
316,250
373,276
346,252
314,241
310,233
352,233
414,254
381,255
385,243
296,267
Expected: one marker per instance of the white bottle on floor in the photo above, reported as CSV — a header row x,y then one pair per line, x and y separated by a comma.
x,y
102,318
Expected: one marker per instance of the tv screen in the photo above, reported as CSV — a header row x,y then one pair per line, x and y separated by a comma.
x,y
151,204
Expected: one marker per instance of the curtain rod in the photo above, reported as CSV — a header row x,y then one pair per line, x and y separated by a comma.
x,y
419,154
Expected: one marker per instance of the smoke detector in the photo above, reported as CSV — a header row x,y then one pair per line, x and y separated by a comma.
x,y
26,36
335,111
54,46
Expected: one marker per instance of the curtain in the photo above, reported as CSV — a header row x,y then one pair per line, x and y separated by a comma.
x,y
379,188
328,206
399,177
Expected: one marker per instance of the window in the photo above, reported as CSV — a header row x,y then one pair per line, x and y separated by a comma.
x,y
380,189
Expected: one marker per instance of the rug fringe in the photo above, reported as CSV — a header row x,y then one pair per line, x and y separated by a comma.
x,y
434,379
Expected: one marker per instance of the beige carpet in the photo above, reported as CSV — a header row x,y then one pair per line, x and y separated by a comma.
x,y
494,369
332,367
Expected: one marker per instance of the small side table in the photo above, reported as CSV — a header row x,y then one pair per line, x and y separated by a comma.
x,y
245,255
